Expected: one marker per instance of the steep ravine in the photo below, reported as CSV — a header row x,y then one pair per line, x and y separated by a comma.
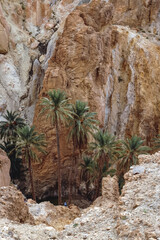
x,y
104,52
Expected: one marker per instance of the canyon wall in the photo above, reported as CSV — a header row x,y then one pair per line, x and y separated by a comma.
x,y
107,55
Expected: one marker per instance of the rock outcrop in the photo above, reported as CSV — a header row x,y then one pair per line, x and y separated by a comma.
x,y
55,216
4,169
133,215
13,206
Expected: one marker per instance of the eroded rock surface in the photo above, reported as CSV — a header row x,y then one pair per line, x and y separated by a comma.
x,y
4,169
107,53
55,216
13,206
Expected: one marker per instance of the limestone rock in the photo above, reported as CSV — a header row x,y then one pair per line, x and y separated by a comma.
x,y
55,216
4,169
139,203
110,188
11,230
13,206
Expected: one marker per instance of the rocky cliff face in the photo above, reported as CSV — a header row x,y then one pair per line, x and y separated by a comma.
x,y
103,52
111,61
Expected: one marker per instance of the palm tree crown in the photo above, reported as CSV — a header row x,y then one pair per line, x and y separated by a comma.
x,y
9,126
29,141
82,124
104,147
131,148
56,105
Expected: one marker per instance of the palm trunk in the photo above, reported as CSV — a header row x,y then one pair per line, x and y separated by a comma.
x,y
31,179
71,175
98,185
59,162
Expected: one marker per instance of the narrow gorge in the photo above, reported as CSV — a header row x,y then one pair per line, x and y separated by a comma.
x,y
102,52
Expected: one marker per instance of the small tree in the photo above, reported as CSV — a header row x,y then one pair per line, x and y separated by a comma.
x,y
29,142
8,127
104,150
58,111
129,152
81,125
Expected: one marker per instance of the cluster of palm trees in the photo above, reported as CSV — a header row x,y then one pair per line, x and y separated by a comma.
x,y
104,154
20,141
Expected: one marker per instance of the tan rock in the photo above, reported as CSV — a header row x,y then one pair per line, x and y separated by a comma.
x,y
34,44
42,58
13,206
49,26
79,66
4,169
110,188
55,216
3,40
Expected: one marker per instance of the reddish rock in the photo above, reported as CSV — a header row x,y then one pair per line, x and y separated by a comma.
x,y
4,169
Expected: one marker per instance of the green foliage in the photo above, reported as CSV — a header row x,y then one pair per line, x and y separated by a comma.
x,y
8,127
29,142
8,133
85,167
129,152
58,110
104,148
156,142
82,124
75,225
56,106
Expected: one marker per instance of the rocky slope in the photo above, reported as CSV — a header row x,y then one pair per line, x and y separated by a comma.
x,y
133,215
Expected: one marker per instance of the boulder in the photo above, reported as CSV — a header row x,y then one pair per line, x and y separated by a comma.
x,y
55,216
13,205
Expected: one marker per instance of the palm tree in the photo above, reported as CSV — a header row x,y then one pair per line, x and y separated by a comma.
x,y
8,133
85,166
156,142
58,111
104,150
82,125
29,142
129,152
9,126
